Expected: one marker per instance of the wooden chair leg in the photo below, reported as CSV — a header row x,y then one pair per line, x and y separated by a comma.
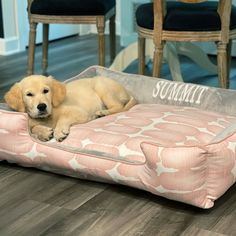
x,y
222,64
112,25
31,50
157,60
229,48
45,47
141,55
101,40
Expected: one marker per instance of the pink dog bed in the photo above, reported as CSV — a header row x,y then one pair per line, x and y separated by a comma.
x,y
179,151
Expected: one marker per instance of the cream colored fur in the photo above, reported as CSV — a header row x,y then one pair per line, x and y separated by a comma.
x,y
53,107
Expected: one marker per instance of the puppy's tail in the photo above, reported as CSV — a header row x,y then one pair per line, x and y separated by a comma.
x,y
130,104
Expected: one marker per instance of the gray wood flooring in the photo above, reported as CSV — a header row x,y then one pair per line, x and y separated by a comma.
x,y
34,202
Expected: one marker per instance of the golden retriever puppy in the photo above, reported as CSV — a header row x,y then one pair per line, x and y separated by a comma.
x,y
53,107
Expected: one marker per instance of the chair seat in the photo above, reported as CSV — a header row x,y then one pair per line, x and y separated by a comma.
x,y
72,7
185,17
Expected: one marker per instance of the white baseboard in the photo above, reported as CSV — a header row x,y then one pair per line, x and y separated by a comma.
x,y
9,46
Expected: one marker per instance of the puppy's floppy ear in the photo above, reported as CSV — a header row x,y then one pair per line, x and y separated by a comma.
x,y
14,98
58,92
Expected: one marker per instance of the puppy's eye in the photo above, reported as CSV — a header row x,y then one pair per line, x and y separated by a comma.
x,y
29,94
45,91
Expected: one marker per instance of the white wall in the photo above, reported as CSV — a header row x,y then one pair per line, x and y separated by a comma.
x,y
9,44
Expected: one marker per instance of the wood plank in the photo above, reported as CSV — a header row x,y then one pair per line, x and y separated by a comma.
x,y
31,218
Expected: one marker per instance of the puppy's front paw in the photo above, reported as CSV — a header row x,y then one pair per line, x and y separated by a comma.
x,y
43,133
61,134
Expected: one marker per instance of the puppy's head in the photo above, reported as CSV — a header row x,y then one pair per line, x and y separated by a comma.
x,y
36,95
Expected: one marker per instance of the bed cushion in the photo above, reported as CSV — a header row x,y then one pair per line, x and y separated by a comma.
x,y
178,151
167,150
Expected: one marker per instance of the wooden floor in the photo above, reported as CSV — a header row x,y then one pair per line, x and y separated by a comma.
x,y
34,202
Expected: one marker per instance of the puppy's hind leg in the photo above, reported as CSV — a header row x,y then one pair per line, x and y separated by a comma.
x,y
132,102
114,105
111,110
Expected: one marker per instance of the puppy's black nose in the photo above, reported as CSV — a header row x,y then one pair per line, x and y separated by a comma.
x,y
42,107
